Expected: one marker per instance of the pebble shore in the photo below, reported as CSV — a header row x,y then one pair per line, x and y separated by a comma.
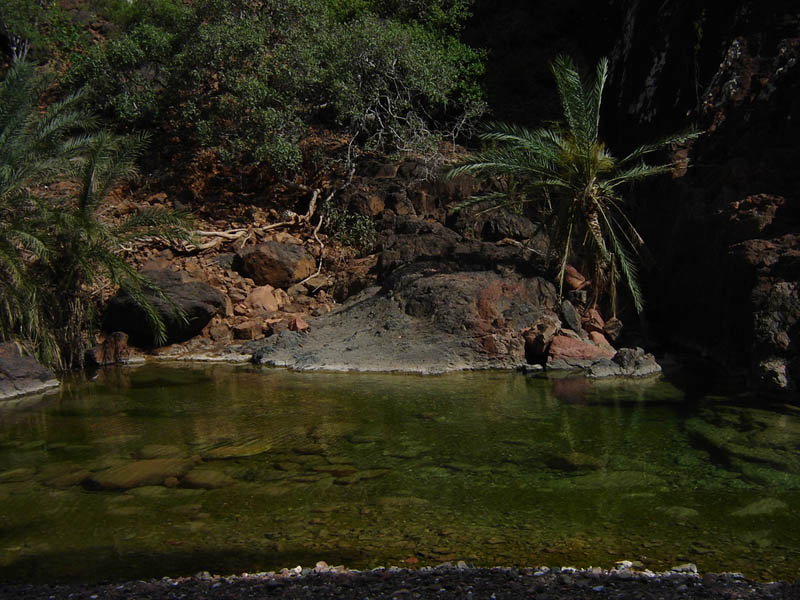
x,y
445,581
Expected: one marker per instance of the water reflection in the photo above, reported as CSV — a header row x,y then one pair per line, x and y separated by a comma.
x,y
162,470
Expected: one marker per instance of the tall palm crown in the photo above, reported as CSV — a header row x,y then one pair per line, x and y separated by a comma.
x,y
575,180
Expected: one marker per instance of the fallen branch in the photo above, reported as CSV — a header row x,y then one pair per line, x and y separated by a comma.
x,y
316,232
237,234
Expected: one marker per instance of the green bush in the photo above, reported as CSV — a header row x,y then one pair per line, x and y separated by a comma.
x,y
350,229
248,79
40,26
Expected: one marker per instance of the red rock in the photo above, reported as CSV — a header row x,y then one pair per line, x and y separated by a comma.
x,y
574,279
567,348
263,299
599,339
298,324
249,330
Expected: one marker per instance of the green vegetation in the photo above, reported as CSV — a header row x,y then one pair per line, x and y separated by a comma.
x,y
574,180
251,79
54,247
350,229
41,25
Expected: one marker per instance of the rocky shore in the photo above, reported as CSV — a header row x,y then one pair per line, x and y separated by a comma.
x,y
442,582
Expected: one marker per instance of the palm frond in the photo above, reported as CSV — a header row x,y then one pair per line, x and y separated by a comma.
x,y
627,265
573,99
661,144
637,172
596,97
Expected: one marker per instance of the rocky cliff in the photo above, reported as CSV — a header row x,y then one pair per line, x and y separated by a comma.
x,y
726,231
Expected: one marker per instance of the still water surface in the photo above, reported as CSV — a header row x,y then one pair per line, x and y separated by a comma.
x,y
168,470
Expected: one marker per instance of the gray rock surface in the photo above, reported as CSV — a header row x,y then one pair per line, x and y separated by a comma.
x,y
627,362
428,319
22,374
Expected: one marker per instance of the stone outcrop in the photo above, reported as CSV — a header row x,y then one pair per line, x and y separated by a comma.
x,y
445,303
448,303
567,352
191,306
274,263
627,362
22,374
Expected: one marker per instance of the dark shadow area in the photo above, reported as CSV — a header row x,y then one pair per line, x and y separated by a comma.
x,y
107,564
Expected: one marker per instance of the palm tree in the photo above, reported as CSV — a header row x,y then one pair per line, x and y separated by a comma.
x,y
35,148
575,180
53,250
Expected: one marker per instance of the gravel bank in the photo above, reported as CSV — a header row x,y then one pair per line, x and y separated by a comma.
x,y
442,582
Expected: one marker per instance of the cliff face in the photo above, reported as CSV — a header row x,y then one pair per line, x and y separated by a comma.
x,y
726,233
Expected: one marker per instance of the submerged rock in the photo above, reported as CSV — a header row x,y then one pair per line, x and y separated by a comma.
x,y
158,451
139,473
17,475
238,449
766,506
206,479
575,461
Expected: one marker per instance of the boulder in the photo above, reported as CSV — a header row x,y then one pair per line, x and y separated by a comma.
x,y
249,330
274,263
571,318
613,328
593,321
262,299
627,362
298,324
495,225
139,473
569,353
22,374
197,301
574,278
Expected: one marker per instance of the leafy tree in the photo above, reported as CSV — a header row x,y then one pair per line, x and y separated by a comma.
x,y
54,249
249,79
575,181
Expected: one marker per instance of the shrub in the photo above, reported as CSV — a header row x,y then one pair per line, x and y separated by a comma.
x,y
248,79
350,229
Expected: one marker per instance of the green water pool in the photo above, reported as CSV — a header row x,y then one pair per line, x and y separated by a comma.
x,y
173,469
